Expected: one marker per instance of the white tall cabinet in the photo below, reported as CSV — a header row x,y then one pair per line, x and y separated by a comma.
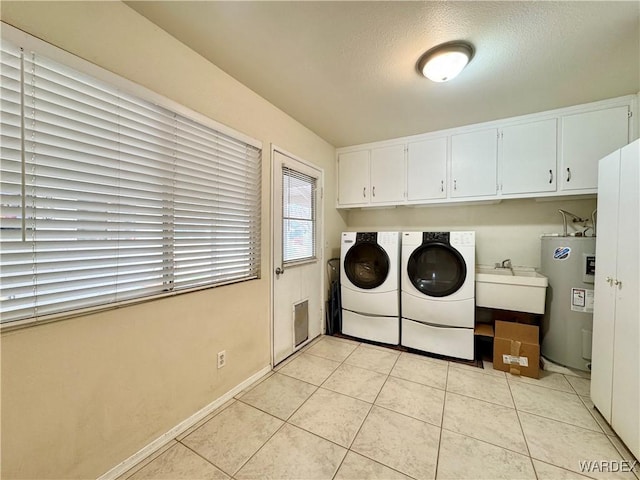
x,y
615,374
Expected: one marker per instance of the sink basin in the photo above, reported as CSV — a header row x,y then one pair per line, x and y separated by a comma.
x,y
521,289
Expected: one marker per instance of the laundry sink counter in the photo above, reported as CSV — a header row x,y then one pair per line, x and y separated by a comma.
x,y
520,289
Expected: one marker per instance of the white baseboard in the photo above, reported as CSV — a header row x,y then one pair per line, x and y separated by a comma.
x,y
183,426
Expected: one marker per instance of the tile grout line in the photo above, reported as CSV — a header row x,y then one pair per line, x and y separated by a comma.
x,y
204,458
565,423
546,387
286,421
206,420
256,452
622,455
372,404
293,413
481,399
527,441
581,403
348,448
595,418
566,469
524,436
444,403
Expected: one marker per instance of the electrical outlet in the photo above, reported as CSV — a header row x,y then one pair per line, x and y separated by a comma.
x,y
222,358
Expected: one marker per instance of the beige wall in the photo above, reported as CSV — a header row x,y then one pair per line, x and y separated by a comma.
x,y
510,229
81,395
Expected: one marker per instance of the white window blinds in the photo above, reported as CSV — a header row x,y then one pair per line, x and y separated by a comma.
x,y
108,197
298,216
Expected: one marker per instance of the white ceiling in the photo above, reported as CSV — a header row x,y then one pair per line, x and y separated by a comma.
x,y
346,70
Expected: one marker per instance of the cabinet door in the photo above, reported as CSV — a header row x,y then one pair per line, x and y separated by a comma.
x,y
427,169
529,157
473,163
585,139
625,415
353,178
604,305
387,174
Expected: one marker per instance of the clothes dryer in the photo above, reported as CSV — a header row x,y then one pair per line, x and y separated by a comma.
x,y
369,280
438,292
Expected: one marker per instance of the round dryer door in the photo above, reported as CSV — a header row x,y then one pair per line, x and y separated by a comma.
x,y
436,269
366,265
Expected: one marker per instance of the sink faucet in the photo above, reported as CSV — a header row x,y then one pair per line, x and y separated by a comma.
x,y
506,264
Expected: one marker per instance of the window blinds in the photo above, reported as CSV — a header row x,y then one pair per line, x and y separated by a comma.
x,y
108,197
298,216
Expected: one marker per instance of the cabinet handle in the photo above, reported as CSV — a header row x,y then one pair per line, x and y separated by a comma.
x,y
442,185
609,280
550,176
568,174
364,192
455,185
617,282
373,190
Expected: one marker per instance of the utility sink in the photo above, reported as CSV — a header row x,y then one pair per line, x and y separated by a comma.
x,y
520,289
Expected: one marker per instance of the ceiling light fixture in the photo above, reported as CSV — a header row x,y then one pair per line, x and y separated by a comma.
x,y
446,61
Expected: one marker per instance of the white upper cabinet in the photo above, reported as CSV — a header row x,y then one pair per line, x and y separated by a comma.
x,y
353,178
371,176
585,139
553,153
474,160
528,161
387,174
427,170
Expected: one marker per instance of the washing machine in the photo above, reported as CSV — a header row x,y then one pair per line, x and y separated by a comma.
x,y
369,285
438,292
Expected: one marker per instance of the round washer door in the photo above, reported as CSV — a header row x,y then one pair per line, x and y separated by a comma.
x,y
366,265
436,269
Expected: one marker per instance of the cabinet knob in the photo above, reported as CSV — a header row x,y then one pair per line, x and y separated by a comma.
x,y
550,176
609,280
617,282
568,174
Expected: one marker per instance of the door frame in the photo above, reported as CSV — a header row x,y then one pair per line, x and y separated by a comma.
x,y
319,238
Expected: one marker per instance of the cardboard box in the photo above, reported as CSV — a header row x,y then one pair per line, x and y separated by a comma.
x,y
516,349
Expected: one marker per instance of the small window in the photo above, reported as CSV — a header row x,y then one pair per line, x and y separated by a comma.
x,y
298,216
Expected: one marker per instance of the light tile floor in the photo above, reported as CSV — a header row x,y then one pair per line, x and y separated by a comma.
x,y
340,409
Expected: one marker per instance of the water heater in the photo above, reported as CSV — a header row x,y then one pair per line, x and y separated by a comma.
x,y
569,264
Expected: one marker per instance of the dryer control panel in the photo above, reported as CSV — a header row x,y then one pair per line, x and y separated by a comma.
x,y
463,238
370,237
442,237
